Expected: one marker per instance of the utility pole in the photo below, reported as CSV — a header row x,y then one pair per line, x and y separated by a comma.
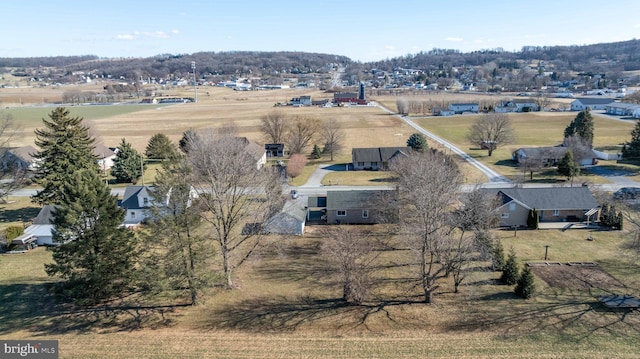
x,y
195,83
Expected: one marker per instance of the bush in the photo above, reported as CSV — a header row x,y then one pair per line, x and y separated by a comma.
x,y
510,273
498,261
525,288
13,232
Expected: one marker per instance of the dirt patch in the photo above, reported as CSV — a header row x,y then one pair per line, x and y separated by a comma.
x,y
575,276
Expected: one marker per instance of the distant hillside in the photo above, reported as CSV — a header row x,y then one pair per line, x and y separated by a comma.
x,y
491,68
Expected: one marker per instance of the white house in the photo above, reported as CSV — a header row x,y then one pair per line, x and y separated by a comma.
x,y
621,108
463,107
41,227
105,156
136,202
590,103
517,105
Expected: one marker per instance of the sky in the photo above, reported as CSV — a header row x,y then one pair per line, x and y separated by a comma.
x,y
366,30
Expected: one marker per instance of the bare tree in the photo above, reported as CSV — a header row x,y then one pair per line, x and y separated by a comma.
x,y
296,164
12,176
233,189
531,164
332,137
542,100
349,253
428,184
273,126
491,131
300,133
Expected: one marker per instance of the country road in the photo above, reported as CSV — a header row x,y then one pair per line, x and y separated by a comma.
x,y
493,176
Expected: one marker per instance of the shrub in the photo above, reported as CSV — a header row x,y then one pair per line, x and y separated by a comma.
x,y
498,260
13,232
525,288
510,272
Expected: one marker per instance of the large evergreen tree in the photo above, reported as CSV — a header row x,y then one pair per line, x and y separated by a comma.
x,y
160,147
65,148
581,126
128,165
631,150
97,258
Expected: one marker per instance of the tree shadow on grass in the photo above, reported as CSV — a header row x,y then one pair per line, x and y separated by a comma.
x,y
282,314
19,215
33,308
573,316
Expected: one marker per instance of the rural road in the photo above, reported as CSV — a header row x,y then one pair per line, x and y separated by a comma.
x,y
493,176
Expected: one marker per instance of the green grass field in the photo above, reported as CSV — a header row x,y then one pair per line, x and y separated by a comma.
x,y
530,130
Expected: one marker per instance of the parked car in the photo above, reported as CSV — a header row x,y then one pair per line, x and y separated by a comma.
x,y
294,193
627,193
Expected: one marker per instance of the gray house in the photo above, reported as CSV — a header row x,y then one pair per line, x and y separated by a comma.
x,y
19,158
549,156
377,158
460,108
290,220
554,204
355,207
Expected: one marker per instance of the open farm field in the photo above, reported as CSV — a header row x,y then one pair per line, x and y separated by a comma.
x,y
364,126
530,130
288,305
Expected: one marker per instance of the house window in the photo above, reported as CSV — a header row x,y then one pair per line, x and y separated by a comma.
x,y
512,207
365,213
374,164
145,201
556,212
360,164
504,215
133,214
341,213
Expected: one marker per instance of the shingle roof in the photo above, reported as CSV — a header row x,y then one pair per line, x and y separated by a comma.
x,y
356,199
544,152
377,154
594,100
561,198
45,215
131,194
101,151
24,153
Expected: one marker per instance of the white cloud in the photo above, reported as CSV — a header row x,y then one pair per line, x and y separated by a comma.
x,y
454,39
147,34
125,37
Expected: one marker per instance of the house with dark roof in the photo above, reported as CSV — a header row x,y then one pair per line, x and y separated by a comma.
x,y
590,103
549,156
355,207
377,158
553,204
274,149
136,202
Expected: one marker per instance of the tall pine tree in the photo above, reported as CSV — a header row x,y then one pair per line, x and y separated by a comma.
x,y
568,167
631,150
128,165
581,126
65,148
98,256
